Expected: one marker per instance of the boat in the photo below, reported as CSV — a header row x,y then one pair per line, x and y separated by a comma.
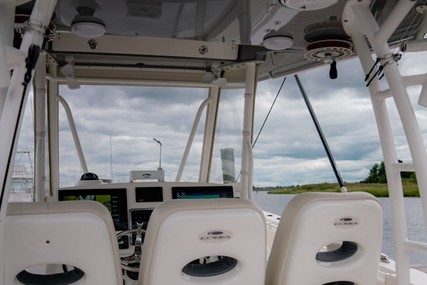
x,y
194,221
22,180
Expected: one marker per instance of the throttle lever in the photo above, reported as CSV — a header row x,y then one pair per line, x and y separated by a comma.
x,y
138,240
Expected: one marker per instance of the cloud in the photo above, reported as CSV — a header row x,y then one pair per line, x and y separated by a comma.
x,y
344,110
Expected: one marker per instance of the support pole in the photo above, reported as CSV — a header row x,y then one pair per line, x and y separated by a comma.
x,y
40,93
247,157
358,23
16,98
322,136
7,16
17,95
245,26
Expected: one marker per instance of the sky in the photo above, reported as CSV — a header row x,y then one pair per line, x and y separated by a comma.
x,y
117,126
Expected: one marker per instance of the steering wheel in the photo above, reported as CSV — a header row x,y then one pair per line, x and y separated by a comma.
x,y
131,263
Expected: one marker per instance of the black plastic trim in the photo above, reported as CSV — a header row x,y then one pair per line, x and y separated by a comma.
x,y
347,250
223,265
63,278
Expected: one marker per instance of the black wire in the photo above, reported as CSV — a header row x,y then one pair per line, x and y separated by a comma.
x,y
368,75
377,73
268,114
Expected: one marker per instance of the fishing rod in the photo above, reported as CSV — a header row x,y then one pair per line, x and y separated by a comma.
x,y
322,136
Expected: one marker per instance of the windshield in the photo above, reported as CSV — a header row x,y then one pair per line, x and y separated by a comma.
x,y
122,129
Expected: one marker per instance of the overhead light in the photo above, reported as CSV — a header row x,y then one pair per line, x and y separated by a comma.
x,y
274,41
86,25
88,29
68,71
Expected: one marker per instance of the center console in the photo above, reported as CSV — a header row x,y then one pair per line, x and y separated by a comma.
x,y
133,202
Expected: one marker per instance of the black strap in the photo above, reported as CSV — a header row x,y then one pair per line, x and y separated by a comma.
x,y
63,278
221,266
347,249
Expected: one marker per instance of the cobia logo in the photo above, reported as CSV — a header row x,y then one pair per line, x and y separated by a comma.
x,y
215,236
346,222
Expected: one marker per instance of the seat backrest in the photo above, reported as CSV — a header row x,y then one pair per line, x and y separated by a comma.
x,y
42,237
212,241
327,238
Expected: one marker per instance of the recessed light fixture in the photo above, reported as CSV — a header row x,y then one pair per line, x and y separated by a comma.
x,y
87,29
277,42
86,25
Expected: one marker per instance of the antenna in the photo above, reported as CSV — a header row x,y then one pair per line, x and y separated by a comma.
x,y
111,160
160,156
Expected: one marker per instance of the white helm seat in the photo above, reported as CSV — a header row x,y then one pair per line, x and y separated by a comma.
x,y
76,237
327,238
214,241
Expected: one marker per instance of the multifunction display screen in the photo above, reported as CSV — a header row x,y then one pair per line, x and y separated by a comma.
x,y
113,199
202,192
148,194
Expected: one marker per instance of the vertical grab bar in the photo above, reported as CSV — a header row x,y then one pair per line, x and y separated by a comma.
x,y
73,129
191,139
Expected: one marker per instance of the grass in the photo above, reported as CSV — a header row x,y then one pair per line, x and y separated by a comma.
x,y
378,190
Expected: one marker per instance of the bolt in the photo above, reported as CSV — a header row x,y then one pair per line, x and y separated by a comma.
x,y
203,50
93,44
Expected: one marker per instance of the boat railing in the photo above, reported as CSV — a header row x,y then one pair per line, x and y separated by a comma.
x,y
74,133
361,25
190,140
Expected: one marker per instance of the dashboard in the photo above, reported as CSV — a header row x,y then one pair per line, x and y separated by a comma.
x,y
133,202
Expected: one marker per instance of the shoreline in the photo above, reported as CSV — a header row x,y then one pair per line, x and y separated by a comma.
x,y
376,189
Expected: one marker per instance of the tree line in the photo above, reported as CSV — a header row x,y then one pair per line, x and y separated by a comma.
x,y
377,175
